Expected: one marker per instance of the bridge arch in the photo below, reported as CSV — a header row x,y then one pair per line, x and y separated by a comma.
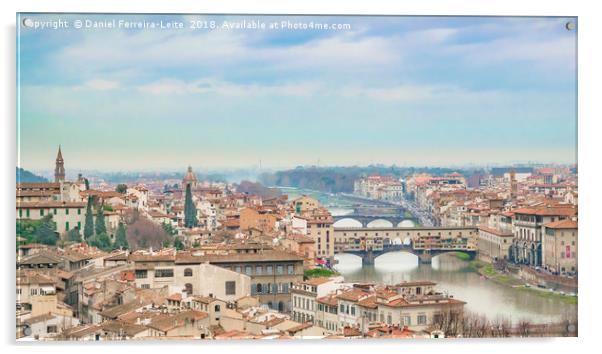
x,y
347,222
406,223
379,223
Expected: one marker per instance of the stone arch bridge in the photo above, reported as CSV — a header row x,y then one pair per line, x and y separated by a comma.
x,y
426,243
365,220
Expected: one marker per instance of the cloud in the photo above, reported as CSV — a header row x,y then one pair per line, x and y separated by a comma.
x,y
100,85
224,88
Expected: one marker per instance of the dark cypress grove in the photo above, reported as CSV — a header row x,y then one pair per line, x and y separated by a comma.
x,y
121,241
89,223
101,227
189,209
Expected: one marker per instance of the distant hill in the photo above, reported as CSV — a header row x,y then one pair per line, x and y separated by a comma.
x,y
340,179
258,189
24,176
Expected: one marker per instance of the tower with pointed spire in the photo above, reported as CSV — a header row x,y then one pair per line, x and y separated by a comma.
x,y
189,178
59,169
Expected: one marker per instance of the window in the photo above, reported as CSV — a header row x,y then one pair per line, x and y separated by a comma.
x,y
188,288
27,212
248,270
51,329
342,308
279,269
141,274
421,319
269,270
291,269
66,211
274,288
66,225
259,288
163,273
55,212
258,270
79,225
79,211
352,310
238,269
145,286
230,288
188,272
407,320
41,212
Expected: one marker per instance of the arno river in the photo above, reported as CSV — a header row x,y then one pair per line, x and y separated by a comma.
x,y
451,274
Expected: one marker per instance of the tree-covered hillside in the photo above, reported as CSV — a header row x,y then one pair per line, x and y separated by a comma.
x,y
24,176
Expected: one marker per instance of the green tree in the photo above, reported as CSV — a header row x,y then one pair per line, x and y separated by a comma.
x,y
101,227
121,188
87,183
166,244
89,221
121,240
46,232
73,235
178,244
169,229
190,220
27,228
101,241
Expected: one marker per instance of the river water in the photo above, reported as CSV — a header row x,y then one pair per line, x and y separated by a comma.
x,y
451,274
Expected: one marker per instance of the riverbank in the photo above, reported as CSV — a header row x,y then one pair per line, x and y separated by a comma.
x,y
488,271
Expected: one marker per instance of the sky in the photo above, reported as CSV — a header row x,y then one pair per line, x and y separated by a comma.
x,y
409,91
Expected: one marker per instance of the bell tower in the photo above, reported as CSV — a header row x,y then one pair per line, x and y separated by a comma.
x,y
59,169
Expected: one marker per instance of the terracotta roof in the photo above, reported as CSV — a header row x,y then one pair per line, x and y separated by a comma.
x,y
562,224
40,318
369,302
547,211
167,323
50,204
416,283
175,297
119,327
119,310
299,328
495,232
354,294
328,300
351,332
317,281
263,256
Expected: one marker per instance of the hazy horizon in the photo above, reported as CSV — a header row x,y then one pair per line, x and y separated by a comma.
x,y
405,91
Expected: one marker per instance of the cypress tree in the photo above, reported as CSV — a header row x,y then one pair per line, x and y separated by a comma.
x,y
73,235
46,232
89,222
101,227
121,237
189,209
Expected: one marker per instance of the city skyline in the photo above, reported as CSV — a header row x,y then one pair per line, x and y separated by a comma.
x,y
409,91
